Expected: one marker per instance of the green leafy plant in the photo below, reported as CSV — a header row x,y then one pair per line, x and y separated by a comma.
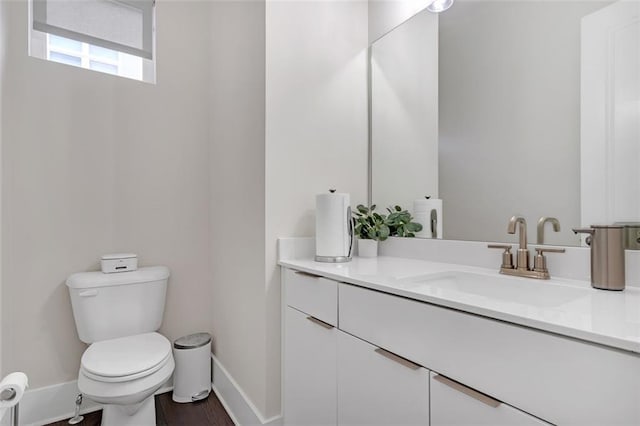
x,y
400,223
370,225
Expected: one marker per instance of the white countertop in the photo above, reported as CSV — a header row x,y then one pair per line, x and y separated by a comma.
x,y
566,307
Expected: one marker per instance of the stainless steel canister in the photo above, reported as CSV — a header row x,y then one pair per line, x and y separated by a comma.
x,y
607,256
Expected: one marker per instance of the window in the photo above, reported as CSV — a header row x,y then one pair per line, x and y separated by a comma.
x,y
84,55
110,36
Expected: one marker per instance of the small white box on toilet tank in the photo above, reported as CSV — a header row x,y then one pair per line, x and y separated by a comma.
x,y
119,262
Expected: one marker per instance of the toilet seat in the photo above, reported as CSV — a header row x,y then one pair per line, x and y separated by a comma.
x,y
127,358
126,392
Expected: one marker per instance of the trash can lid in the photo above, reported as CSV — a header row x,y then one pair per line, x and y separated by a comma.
x,y
192,341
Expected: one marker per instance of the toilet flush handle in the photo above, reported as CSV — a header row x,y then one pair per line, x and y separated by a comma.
x,y
88,293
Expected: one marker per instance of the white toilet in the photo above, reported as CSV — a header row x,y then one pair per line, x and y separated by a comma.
x,y
127,361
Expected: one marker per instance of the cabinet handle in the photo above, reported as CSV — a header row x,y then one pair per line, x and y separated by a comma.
x,y
307,274
320,323
485,399
397,358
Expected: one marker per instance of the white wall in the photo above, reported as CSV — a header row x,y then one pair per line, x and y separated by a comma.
x,y
201,172
316,128
3,41
92,164
385,15
237,197
289,120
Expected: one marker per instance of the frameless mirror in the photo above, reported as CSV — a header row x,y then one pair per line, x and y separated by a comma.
x,y
503,108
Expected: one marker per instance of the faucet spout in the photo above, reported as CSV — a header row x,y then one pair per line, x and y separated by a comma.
x,y
543,220
521,222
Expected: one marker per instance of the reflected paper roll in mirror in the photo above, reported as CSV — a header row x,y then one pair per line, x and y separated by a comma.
x,y
428,213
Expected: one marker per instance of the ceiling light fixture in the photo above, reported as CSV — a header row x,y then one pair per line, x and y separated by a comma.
x,y
437,6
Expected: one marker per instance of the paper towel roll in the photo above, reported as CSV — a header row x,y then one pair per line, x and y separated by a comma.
x,y
16,381
422,209
333,220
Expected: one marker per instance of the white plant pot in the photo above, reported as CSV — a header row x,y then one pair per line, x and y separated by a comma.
x,y
367,248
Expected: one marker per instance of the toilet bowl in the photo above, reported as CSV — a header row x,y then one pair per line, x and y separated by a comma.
x,y
123,374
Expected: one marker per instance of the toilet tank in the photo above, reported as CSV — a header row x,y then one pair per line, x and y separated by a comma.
x,y
107,306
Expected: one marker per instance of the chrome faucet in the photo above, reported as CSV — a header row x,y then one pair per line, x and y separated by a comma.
x,y
522,257
543,220
521,268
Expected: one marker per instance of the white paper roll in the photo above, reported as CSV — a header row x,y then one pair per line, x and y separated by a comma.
x,y
333,239
16,381
422,209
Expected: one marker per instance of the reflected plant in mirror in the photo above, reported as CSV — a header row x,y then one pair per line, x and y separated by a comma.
x,y
528,107
400,223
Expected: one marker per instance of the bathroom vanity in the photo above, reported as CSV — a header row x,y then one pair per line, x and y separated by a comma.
x,y
406,341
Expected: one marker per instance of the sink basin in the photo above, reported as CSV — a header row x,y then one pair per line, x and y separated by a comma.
x,y
475,288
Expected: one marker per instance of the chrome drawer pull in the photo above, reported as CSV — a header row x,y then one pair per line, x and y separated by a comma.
x,y
320,323
485,399
307,274
397,358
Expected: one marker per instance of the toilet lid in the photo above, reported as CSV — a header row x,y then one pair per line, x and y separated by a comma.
x,y
137,356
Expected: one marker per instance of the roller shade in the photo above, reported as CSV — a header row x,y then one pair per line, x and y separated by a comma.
x,y
122,25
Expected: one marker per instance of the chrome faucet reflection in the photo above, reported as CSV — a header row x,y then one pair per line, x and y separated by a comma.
x,y
521,267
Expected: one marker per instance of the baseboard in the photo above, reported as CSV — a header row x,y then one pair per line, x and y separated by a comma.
x,y
57,402
235,401
52,403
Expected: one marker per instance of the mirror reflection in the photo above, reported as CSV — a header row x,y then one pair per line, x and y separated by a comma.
x,y
502,108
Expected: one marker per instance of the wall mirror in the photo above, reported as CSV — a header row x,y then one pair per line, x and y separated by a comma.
x,y
510,107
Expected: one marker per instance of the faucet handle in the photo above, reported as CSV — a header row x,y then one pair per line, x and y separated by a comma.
x,y
507,258
540,261
549,250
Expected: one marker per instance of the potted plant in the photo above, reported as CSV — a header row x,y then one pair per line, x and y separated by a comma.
x,y
369,227
399,222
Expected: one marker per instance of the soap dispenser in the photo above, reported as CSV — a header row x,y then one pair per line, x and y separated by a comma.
x,y
607,255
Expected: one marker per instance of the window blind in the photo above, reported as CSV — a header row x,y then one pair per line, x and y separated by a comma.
x,y
122,25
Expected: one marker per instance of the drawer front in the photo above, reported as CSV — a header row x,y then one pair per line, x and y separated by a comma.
x,y
455,405
378,388
312,295
561,380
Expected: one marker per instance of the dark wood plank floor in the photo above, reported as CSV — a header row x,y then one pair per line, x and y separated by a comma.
x,y
207,412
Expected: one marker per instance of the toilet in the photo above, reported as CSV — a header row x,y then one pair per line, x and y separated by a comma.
x,y
127,361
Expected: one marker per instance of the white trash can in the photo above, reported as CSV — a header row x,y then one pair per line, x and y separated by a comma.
x,y
192,376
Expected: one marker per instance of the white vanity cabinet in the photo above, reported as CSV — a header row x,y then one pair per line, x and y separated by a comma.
x,y
353,355
453,404
331,377
310,318
376,387
560,380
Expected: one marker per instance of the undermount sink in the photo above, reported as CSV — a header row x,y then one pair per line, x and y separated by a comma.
x,y
473,287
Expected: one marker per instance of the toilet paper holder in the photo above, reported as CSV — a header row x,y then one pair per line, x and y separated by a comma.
x,y
7,395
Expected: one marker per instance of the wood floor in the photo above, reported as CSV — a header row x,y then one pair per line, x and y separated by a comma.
x,y
207,412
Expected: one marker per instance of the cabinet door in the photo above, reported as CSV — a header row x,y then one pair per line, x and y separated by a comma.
x,y
378,387
309,370
455,404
